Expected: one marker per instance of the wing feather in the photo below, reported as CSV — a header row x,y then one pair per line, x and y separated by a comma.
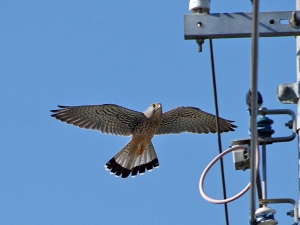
x,y
107,118
193,120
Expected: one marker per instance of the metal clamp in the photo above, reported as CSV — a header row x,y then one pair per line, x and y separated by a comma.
x,y
270,140
282,200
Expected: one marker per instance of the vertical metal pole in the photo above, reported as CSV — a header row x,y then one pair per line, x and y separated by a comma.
x,y
253,125
298,105
258,186
264,172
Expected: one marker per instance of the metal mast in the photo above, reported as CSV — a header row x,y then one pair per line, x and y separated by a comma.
x,y
253,124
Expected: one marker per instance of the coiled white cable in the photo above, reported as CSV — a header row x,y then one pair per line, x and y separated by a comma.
x,y
212,163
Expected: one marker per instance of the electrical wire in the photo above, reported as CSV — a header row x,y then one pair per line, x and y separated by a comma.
x,y
218,128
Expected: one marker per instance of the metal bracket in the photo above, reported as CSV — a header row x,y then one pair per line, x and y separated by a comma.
x,y
283,200
271,140
239,25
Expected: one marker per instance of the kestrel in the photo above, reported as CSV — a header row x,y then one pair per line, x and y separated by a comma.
x,y
139,154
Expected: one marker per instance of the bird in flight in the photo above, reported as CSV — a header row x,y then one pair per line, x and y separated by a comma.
x,y
138,154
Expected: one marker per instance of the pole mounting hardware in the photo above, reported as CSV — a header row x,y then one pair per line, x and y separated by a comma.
x,y
239,25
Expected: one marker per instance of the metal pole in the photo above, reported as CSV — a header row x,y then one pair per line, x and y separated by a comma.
x,y
298,105
264,172
258,187
253,125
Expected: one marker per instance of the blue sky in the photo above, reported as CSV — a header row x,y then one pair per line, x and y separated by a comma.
x,y
132,54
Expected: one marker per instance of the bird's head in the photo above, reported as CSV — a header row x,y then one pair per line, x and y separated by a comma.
x,y
153,109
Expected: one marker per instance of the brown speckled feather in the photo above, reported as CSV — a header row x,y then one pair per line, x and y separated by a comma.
x,y
107,118
191,119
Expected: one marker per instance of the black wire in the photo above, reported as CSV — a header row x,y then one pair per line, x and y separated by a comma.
x,y
218,128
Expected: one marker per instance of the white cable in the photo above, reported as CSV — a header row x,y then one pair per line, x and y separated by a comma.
x,y
211,164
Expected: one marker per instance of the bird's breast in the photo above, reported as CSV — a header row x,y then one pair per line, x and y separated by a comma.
x,y
147,127
143,134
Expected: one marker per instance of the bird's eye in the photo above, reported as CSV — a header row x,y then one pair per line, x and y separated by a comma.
x,y
153,105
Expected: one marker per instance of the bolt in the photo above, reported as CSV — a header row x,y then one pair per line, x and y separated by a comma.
x,y
293,21
290,213
289,124
200,42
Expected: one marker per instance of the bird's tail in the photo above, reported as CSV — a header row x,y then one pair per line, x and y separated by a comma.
x,y
126,162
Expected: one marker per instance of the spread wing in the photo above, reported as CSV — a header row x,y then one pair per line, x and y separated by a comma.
x,y
107,118
190,119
